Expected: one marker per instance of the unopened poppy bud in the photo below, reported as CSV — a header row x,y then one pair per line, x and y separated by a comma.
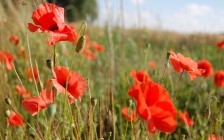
x,y
8,101
7,113
93,101
52,109
168,55
49,63
109,134
129,102
80,44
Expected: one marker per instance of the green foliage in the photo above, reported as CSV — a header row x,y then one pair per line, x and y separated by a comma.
x,y
78,9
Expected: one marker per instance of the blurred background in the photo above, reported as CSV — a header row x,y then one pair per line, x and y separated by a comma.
x,y
185,16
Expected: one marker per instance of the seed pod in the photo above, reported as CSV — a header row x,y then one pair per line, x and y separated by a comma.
x,y
80,44
49,63
8,101
7,113
93,101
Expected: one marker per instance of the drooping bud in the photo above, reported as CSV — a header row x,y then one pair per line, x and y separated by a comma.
x,y
80,44
168,55
49,63
7,113
129,102
93,101
8,101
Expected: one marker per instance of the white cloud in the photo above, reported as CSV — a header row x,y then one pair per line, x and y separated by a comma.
x,y
197,10
137,1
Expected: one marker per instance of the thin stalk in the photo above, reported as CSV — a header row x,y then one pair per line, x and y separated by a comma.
x,y
179,83
31,65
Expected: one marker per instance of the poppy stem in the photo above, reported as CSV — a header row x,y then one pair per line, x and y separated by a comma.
x,y
179,83
54,56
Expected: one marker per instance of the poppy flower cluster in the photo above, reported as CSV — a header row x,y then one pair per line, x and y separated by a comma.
x,y
50,18
153,104
181,63
7,58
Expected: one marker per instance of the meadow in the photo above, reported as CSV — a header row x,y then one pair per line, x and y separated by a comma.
x,y
78,87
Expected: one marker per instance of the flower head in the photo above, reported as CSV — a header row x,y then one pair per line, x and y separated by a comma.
x,y
215,137
154,105
219,78
129,115
14,39
30,72
140,76
185,118
88,53
76,84
97,46
50,18
180,63
152,65
19,89
206,66
7,58
220,44
15,119
34,104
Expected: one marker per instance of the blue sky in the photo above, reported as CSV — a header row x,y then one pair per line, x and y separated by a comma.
x,y
175,15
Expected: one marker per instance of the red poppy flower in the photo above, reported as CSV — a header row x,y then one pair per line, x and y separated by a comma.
x,y
50,18
88,53
15,119
30,74
220,44
155,105
180,63
7,58
14,39
185,118
129,115
206,66
215,137
152,65
140,76
34,104
219,78
22,52
76,85
97,47
19,89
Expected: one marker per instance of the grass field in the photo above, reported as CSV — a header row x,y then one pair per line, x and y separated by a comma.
x,y
98,113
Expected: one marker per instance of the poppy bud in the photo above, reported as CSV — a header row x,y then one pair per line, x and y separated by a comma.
x,y
129,102
52,109
80,44
8,101
49,63
168,55
93,101
7,113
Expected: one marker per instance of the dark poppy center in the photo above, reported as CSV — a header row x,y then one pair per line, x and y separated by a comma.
x,y
53,27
